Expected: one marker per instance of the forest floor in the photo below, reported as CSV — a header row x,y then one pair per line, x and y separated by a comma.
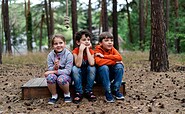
x,y
146,92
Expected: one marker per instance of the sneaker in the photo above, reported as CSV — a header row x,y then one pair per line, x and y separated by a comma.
x,y
52,101
118,95
67,99
109,97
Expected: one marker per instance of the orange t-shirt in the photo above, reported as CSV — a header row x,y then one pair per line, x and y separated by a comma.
x,y
76,51
110,57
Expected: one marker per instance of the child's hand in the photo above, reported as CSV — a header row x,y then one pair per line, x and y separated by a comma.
x,y
99,54
82,46
89,46
56,64
47,73
120,62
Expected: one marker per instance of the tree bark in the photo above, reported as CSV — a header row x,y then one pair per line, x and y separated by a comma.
x,y
51,19
177,39
41,27
129,24
29,28
89,21
1,50
74,20
141,24
104,16
115,24
159,55
48,24
7,27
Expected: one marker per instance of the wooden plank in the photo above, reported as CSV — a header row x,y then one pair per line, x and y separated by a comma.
x,y
28,83
36,83
37,88
44,83
29,93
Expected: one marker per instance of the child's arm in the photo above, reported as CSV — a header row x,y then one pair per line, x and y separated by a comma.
x,y
68,65
89,56
115,56
78,58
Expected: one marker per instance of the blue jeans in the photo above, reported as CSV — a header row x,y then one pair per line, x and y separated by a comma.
x,y
80,74
107,74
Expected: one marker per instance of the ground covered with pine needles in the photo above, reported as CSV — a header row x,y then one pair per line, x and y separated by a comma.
x,y
146,92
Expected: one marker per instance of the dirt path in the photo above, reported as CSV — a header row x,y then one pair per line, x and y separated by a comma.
x,y
147,92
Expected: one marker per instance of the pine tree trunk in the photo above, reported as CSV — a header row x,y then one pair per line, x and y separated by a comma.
x,y
115,24
1,51
159,56
41,27
177,39
48,24
74,20
89,21
7,27
141,24
129,24
29,28
104,16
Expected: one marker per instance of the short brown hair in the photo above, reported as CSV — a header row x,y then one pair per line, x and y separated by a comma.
x,y
58,36
104,35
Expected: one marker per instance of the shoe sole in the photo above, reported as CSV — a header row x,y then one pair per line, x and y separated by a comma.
x,y
112,101
118,98
67,101
50,103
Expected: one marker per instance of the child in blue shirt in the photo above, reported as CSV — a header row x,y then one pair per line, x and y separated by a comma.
x,y
60,62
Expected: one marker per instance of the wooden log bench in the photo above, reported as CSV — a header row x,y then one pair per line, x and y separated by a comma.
x,y
37,88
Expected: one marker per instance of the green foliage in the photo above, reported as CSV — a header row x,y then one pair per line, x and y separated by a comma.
x,y
18,22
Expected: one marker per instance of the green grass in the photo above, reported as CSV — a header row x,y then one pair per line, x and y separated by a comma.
x,y
128,58
31,58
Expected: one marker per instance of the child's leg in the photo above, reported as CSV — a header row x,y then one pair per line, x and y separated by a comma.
x,y
103,72
51,82
91,73
117,75
77,78
64,81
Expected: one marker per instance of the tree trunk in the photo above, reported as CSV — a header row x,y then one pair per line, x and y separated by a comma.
x,y
74,20
177,39
104,16
51,19
167,14
129,24
159,56
7,27
115,24
41,27
48,23
141,24
29,28
1,50
89,21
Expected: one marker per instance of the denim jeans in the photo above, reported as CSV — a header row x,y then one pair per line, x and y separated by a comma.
x,y
83,74
108,74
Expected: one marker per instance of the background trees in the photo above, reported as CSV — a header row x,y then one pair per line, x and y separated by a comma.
x,y
130,20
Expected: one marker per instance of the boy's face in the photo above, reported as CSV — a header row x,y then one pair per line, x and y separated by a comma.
x,y
107,43
84,40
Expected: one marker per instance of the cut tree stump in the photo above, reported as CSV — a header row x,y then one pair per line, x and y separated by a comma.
x,y
37,88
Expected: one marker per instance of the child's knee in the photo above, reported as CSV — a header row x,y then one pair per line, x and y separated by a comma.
x,y
51,79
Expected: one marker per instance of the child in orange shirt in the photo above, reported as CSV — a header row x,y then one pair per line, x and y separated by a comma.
x,y
110,66
83,69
